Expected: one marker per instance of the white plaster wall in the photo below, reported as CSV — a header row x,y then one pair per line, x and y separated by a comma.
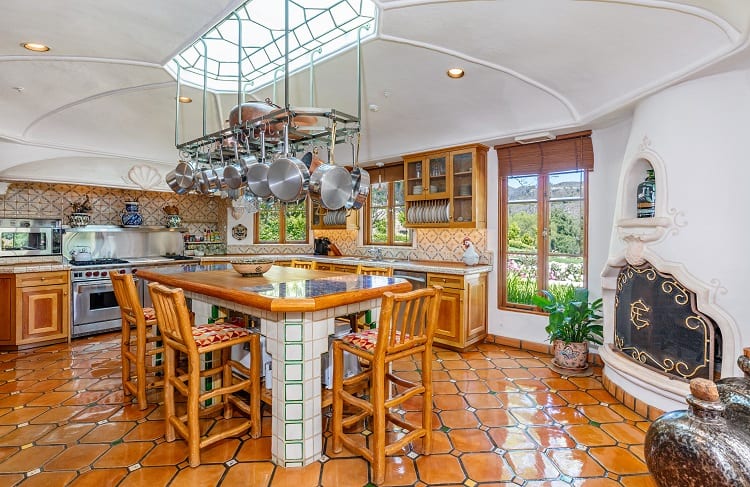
x,y
609,146
700,131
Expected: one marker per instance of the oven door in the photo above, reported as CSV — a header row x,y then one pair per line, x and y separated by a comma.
x,y
95,308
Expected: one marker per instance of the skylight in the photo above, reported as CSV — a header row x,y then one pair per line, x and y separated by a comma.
x,y
317,29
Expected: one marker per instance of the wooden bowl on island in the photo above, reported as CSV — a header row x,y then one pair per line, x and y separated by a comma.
x,y
252,266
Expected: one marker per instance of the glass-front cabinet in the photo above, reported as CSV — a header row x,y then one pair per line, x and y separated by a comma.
x,y
447,188
427,177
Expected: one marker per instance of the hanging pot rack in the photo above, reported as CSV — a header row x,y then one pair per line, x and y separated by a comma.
x,y
242,140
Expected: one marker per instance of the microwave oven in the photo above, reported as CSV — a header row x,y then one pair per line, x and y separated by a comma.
x,y
24,237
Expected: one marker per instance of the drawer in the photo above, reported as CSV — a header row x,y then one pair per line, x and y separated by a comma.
x,y
41,278
445,280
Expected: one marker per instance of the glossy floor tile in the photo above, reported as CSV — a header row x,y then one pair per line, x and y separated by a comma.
x,y
501,418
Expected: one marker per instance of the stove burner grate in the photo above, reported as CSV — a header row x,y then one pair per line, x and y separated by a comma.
x,y
98,262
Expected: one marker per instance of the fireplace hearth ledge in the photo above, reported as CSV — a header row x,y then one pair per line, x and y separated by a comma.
x,y
659,391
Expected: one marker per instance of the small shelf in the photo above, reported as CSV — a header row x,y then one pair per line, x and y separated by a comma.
x,y
651,222
463,173
120,228
204,243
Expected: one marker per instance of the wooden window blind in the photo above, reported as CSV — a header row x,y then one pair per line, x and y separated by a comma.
x,y
566,153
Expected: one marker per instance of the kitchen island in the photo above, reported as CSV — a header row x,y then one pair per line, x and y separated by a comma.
x,y
297,308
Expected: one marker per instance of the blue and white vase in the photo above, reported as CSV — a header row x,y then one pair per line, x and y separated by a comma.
x,y
130,217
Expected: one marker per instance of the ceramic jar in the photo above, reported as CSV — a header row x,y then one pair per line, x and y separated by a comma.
x,y
174,221
130,217
79,219
700,447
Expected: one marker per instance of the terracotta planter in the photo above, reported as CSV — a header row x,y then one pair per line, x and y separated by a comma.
x,y
574,356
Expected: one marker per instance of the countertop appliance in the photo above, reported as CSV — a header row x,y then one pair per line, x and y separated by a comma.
x,y
28,236
321,246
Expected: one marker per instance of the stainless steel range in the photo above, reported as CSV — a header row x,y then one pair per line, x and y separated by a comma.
x,y
95,308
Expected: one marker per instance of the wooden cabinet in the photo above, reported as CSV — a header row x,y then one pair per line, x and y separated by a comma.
x,y
36,309
463,309
447,188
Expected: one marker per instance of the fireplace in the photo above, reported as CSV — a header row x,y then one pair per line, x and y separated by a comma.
x,y
658,324
665,296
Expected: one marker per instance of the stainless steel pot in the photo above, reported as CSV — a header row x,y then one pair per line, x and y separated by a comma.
x,y
180,180
330,185
360,182
256,174
288,177
232,177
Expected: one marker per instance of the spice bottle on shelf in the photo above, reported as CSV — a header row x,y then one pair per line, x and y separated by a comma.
x,y
646,196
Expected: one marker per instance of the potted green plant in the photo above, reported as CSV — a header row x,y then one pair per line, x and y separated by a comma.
x,y
573,323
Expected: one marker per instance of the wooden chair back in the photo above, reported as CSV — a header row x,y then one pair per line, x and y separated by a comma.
x,y
374,270
303,264
127,297
174,317
407,322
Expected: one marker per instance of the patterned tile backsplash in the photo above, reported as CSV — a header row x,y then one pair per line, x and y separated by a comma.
x,y
42,200
438,244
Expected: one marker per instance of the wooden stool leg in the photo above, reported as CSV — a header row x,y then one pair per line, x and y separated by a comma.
x,y
124,353
193,412
140,367
255,359
169,370
427,400
338,403
377,389
226,380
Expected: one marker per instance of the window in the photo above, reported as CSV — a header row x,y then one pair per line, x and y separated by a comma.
x,y
385,213
282,223
543,214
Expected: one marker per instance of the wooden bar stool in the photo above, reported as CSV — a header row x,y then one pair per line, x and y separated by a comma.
x,y
417,312
304,264
141,358
179,336
362,321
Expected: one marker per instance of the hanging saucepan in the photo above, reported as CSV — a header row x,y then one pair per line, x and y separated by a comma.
x,y
257,173
330,185
229,176
360,182
208,179
288,178
180,180
246,159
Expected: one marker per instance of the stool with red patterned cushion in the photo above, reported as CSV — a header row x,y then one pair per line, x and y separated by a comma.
x,y
140,346
179,335
406,327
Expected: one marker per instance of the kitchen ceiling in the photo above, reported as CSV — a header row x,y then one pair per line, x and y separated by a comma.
x,y
100,102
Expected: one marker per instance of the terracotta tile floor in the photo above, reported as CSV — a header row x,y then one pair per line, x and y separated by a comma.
x,y
502,418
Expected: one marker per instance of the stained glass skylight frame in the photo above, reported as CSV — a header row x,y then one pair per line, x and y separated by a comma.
x,y
317,29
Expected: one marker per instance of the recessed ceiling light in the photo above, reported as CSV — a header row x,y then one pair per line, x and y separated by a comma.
x,y
455,73
185,99
33,46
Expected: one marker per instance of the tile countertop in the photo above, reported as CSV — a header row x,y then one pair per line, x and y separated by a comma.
x,y
20,266
458,268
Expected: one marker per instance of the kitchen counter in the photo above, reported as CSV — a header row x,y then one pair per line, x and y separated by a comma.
x,y
458,268
281,289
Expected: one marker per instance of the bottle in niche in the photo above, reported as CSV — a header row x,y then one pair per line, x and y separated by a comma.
x,y
647,196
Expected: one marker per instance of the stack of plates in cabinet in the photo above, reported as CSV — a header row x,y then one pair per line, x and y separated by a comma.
x,y
464,190
337,217
437,211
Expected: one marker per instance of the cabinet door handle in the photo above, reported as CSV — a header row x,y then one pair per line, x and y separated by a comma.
x,y
43,278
